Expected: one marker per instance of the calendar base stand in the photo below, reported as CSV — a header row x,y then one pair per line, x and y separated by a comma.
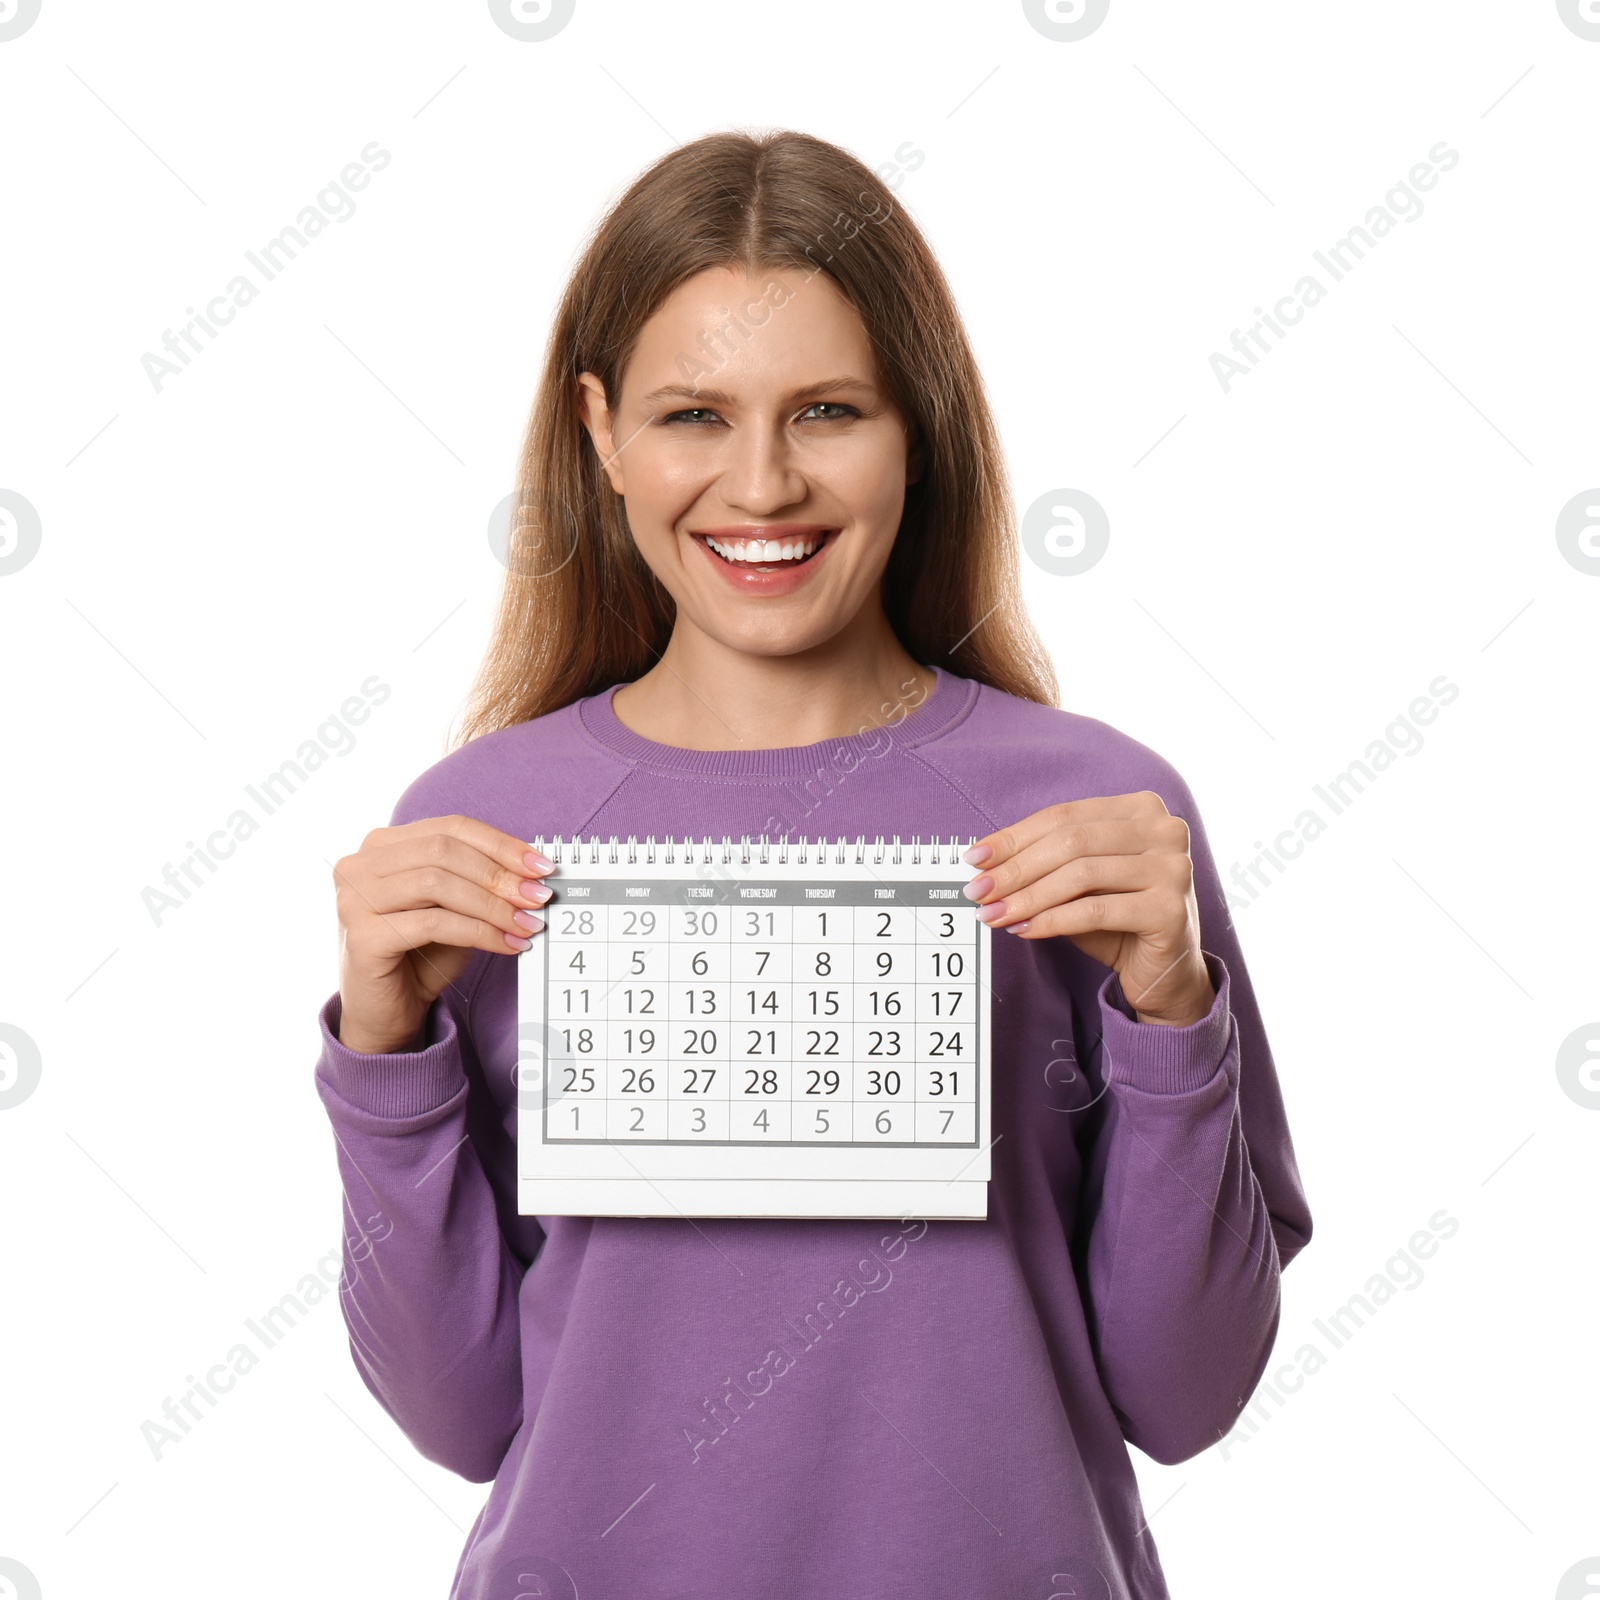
x,y
834,1199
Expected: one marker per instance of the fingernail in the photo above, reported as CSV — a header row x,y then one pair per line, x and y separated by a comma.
x,y
979,887
992,912
976,855
538,861
532,889
531,920
1016,927
516,943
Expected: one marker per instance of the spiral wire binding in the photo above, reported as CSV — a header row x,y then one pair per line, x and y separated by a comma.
x,y
572,851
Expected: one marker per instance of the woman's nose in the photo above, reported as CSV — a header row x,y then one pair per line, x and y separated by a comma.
x,y
760,473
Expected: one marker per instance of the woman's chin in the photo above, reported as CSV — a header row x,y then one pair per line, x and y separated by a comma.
x,y
759,636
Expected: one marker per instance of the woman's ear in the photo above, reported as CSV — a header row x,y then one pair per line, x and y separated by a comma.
x,y
596,415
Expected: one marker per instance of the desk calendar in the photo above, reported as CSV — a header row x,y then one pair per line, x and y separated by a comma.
x,y
721,1028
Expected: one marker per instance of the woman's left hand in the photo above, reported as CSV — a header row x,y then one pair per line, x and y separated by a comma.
x,y
1113,874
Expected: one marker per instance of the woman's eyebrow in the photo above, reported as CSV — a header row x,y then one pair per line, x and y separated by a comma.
x,y
675,391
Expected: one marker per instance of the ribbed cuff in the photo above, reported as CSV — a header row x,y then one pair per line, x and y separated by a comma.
x,y
1160,1059
396,1084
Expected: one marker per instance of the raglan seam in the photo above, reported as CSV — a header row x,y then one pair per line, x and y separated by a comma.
x,y
944,778
629,773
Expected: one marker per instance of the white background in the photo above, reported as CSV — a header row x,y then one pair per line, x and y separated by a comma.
x,y
224,562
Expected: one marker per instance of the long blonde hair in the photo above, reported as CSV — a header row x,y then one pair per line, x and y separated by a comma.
x,y
581,610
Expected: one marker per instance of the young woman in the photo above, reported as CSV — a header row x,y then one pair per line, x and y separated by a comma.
x,y
763,582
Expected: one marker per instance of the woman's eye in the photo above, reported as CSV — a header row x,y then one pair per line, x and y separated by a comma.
x,y
699,416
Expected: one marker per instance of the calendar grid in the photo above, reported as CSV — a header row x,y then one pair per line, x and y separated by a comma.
x,y
779,1009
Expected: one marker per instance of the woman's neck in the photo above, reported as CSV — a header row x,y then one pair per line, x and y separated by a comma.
x,y
705,695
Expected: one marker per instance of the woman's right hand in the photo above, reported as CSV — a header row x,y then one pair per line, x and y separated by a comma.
x,y
414,903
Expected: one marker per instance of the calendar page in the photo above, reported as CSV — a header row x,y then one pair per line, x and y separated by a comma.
x,y
723,1028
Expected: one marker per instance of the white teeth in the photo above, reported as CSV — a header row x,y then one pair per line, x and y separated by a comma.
x,y
764,550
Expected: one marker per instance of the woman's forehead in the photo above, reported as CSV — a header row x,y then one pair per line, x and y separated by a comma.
x,y
772,331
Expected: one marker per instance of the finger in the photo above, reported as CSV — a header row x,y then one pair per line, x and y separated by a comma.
x,y
1006,842
434,886
1089,875
1139,912
401,931
513,854
1118,836
367,901
451,855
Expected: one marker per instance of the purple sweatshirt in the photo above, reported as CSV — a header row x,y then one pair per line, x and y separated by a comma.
x,y
774,1408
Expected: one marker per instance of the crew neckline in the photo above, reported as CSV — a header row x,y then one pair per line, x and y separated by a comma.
x,y
950,697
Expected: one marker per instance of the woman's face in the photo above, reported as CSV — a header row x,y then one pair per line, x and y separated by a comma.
x,y
763,465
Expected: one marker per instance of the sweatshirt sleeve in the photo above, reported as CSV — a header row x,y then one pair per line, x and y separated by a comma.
x,y
430,1286
1192,1199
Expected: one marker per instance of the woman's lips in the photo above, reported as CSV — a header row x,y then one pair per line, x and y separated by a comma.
x,y
749,566
775,542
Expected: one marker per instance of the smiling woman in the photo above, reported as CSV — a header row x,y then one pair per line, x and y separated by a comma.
x,y
767,508
766,578
760,345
